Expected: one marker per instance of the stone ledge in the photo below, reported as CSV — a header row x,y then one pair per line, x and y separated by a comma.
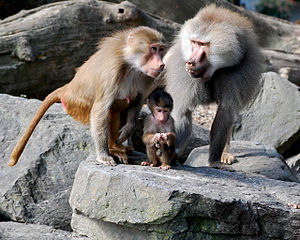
x,y
182,203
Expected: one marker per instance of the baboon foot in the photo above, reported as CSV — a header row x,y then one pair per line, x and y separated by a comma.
x,y
106,160
227,158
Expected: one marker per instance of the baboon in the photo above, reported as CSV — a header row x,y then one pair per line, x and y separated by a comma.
x,y
214,58
123,68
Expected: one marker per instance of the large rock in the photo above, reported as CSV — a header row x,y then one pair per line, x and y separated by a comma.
x,y
40,48
252,158
20,231
273,118
37,189
136,202
199,137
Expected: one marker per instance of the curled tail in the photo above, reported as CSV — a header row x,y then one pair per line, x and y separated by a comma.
x,y
52,98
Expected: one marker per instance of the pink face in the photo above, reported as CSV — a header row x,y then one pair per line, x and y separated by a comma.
x,y
153,60
161,114
198,65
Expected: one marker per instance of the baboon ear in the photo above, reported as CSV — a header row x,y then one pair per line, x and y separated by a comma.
x,y
130,39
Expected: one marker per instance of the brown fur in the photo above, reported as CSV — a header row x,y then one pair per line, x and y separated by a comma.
x,y
117,119
103,78
167,149
162,151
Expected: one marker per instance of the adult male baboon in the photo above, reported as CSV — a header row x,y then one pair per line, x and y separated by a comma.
x,y
214,58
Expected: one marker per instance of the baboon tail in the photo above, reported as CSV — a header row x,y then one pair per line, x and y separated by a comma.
x,y
52,98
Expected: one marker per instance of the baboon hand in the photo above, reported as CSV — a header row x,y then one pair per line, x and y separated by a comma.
x,y
156,138
165,166
125,132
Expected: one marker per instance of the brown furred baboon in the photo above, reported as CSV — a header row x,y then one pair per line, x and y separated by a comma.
x,y
123,68
159,130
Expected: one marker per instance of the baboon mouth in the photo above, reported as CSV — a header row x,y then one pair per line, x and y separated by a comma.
x,y
154,73
196,73
156,70
190,71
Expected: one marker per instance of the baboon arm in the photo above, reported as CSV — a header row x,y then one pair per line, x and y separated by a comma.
x,y
147,139
99,127
171,139
132,114
151,154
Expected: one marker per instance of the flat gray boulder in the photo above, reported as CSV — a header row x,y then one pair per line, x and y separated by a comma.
x,y
274,117
252,158
37,189
137,202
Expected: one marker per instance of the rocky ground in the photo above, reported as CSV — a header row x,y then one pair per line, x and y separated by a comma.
x,y
204,115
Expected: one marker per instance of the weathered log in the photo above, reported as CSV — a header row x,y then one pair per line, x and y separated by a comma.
x,y
40,48
285,63
272,32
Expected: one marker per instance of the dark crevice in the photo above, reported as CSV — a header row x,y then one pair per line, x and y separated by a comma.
x,y
121,10
4,218
291,147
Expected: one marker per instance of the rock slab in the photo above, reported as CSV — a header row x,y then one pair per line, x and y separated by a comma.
x,y
254,158
182,203
37,189
274,117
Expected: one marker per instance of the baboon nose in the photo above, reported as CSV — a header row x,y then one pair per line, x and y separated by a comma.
x,y
161,67
189,63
